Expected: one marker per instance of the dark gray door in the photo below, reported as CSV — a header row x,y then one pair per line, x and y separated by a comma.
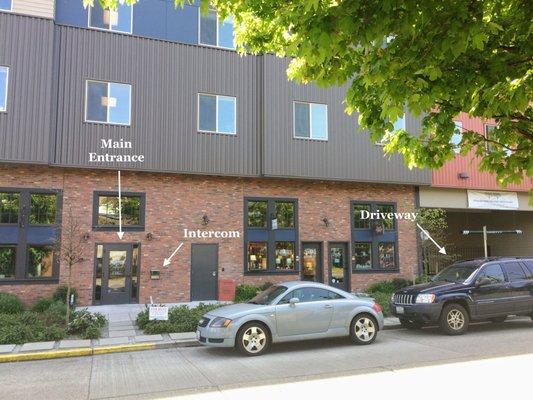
x,y
339,275
311,264
116,274
204,272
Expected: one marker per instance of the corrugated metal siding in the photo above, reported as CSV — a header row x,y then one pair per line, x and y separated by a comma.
x,y
166,78
448,175
37,8
26,48
347,155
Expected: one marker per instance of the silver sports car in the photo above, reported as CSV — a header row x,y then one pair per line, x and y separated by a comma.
x,y
291,311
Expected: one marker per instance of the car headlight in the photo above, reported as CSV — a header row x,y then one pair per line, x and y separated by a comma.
x,y
425,298
220,322
392,298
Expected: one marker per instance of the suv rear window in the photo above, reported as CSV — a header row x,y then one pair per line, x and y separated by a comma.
x,y
514,271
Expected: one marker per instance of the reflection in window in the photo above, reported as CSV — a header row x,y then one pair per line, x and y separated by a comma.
x,y
310,120
386,253
214,32
108,214
134,271
387,211
108,102
284,255
359,211
43,209
99,264
4,72
40,261
118,20
457,136
8,256
217,114
337,264
9,208
257,214
116,282
362,253
285,214
257,256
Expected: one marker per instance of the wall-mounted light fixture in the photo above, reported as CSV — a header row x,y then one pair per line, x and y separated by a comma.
x,y
86,236
325,220
149,236
205,220
463,175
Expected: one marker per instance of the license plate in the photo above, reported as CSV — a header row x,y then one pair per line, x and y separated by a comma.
x,y
197,335
400,310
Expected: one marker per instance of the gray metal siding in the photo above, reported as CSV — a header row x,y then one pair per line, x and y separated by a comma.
x,y
346,155
26,48
166,79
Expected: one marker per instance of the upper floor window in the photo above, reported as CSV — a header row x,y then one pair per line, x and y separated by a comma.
x,y
4,74
43,208
399,124
310,121
457,136
214,32
108,102
119,20
9,208
6,5
106,211
217,114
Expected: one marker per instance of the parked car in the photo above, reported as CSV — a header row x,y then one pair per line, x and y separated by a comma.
x,y
291,311
471,290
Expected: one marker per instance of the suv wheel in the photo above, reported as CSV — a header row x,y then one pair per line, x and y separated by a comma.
x,y
253,339
363,329
411,324
454,319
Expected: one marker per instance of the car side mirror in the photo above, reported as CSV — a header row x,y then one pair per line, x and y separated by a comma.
x,y
483,281
293,301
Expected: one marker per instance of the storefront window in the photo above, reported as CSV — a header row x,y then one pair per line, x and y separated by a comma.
x,y
257,214
9,208
43,209
359,220
106,211
99,264
285,214
40,261
387,210
362,253
387,256
285,255
257,256
8,255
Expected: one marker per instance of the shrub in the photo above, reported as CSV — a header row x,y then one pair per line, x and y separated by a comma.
x,y
383,286
383,299
54,332
42,305
92,332
142,318
61,294
83,320
10,304
244,293
180,319
55,315
399,283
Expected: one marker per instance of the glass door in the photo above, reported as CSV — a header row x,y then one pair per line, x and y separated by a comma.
x,y
338,266
311,262
116,279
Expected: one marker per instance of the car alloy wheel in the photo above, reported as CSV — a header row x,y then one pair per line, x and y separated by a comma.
x,y
254,339
363,329
456,319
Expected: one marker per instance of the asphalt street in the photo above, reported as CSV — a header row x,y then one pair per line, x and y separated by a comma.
x,y
159,374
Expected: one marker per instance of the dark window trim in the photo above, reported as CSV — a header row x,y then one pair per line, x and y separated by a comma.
x,y
375,239
271,242
113,228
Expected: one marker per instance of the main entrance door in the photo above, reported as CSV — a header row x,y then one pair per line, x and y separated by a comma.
x,y
312,262
116,273
338,266
204,272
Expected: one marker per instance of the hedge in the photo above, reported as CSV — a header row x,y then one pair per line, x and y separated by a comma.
x,y
180,319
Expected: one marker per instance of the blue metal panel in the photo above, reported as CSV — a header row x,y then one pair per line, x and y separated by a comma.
x,y
9,234
367,236
182,24
283,235
149,18
41,235
257,235
71,12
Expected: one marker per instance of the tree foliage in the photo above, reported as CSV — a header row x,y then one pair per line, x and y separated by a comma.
x,y
435,58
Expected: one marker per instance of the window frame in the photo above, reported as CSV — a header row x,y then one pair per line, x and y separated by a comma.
x,y
130,32
112,228
217,45
216,96
4,110
107,122
308,103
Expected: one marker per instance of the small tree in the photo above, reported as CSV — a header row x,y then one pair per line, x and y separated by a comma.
x,y
71,249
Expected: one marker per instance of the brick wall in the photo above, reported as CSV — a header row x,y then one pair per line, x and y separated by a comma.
x,y
175,202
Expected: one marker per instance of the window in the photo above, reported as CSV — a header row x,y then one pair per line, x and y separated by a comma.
x,y
307,295
43,209
257,214
285,256
108,103
214,32
40,262
361,213
5,5
257,256
9,208
488,131
493,272
119,20
387,257
399,124
8,258
457,136
4,75
387,215
514,271
529,269
310,121
106,211
285,214
217,114
362,253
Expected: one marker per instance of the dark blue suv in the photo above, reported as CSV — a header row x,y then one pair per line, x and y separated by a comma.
x,y
471,290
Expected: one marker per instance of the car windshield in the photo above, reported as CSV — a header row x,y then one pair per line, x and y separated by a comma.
x,y
267,296
455,273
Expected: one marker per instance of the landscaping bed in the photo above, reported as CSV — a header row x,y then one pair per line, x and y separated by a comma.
x,y
382,292
180,319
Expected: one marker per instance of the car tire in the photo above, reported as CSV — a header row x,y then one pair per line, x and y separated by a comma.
x,y
363,329
498,320
253,339
454,319
414,325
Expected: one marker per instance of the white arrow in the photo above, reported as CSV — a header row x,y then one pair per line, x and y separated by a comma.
x,y
119,233
166,263
442,250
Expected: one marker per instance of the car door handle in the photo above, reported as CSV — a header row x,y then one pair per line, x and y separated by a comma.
x,y
328,306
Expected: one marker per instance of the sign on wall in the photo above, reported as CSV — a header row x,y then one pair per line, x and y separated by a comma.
x,y
483,199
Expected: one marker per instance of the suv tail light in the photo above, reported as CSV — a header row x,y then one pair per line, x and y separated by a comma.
x,y
377,308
